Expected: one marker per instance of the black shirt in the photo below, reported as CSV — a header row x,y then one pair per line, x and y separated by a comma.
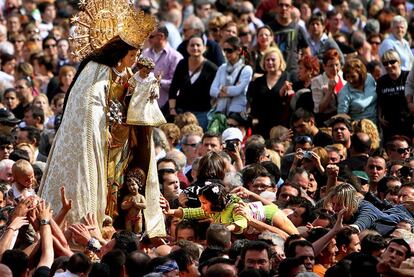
x,y
290,39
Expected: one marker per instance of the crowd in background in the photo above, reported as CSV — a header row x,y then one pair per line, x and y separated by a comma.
x,y
287,152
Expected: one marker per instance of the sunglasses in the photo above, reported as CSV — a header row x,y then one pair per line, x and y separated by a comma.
x,y
194,145
243,34
50,46
391,62
402,150
303,139
229,50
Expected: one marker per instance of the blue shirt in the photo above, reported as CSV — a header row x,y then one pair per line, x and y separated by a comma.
x,y
359,104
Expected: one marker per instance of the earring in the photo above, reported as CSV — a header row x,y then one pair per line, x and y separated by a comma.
x,y
119,63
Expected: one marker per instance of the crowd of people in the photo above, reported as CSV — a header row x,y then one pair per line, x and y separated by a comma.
x,y
242,138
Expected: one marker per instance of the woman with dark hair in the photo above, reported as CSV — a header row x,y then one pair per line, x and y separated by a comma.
x,y
215,204
94,146
265,40
232,79
192,80
358,98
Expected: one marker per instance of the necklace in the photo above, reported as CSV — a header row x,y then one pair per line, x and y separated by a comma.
x,y
119,74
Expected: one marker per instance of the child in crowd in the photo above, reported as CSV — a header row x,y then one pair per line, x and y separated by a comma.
x,y
23,176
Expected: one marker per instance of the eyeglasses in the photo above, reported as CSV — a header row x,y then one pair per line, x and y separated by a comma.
x,y
303,139
229,50
214,29
153,36
402,150
20,87
391,62
47,46
232,125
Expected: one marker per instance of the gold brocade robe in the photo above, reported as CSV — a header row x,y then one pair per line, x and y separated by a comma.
x,y
79,155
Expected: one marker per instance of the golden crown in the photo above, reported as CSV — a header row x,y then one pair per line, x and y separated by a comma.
x,y
135,26
100,20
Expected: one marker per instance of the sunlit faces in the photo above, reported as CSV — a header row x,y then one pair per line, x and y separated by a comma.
x,y
264,37
196,47
332,68
255,259
316,28
9,66
232,54
376,169
399,30
271,62
10,100
341,133
284,8
205,204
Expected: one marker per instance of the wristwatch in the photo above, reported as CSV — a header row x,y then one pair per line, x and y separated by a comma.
x,y
44,222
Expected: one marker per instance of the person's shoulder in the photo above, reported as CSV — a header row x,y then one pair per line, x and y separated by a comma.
x,y
210,65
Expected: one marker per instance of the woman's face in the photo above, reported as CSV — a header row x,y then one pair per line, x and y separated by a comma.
x,y
305,12
205,204
59,106
40,102
230,31
67,78
303,73
354,79
399,30
130,58
18,44
332,68
271,63
264,37
337,206
232,55
10,100
393,68
196,47
9,67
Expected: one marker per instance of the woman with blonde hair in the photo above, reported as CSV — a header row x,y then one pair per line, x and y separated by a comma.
x,y
357,212
268,95
42,102
368,127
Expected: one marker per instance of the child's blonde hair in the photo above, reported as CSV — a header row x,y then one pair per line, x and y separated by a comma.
x,y
21,166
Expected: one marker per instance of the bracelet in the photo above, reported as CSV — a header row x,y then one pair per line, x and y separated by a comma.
x,y
10,228
172,108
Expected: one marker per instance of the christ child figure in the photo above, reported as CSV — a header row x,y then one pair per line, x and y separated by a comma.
x,y
134,202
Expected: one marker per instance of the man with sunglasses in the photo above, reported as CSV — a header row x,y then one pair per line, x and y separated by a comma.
x,y
189,147
398,148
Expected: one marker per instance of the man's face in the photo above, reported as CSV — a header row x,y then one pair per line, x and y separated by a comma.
x,y
306,254
22,137
210,144
190,147
186,234
302,180
28,118
395,254
286,192
340,133
354,244
302,127
171,185
204,11
334,157
155,39
284,8
296,216
376,169
400,151
406,194
257,260
261,184
63,48
329,253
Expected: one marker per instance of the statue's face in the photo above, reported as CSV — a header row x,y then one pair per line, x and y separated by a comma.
x,y
133,185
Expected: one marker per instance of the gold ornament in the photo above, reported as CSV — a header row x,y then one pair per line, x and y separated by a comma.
x,y
100,20
135,26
